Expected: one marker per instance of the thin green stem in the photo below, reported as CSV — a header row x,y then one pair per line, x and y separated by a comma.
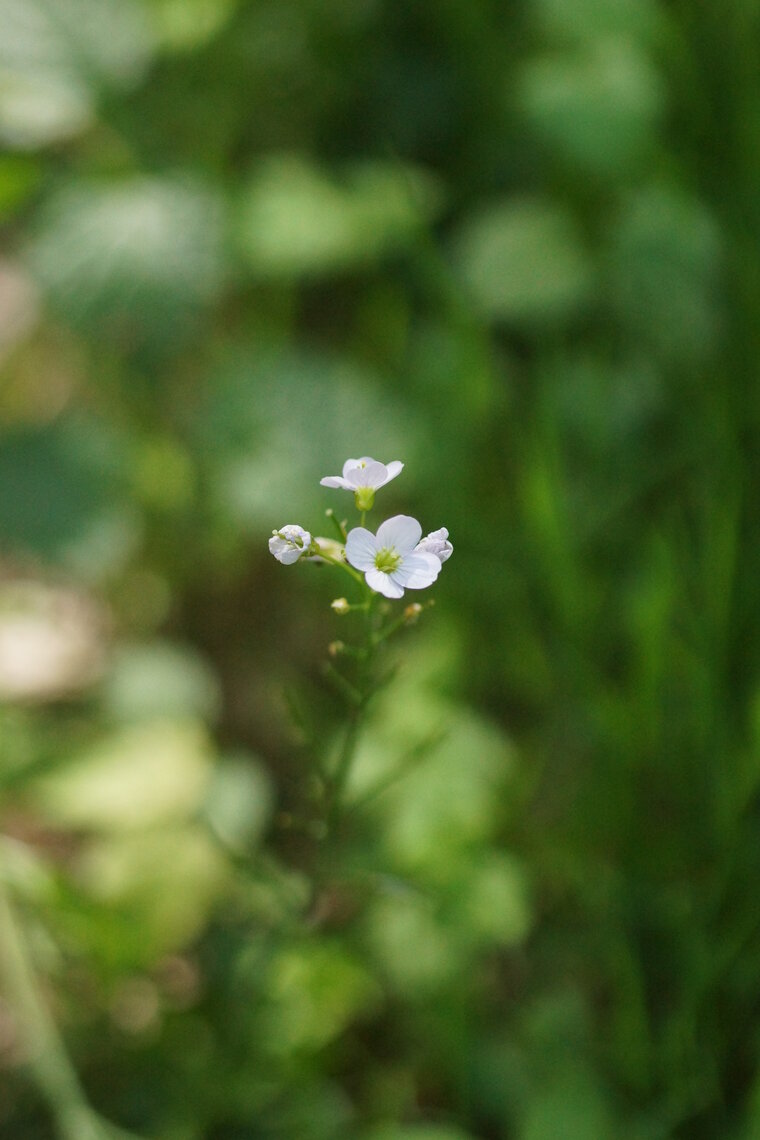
x,y
351,694
406,765
343,565
400,621
343,767
362,690
377,638
339,527
355,606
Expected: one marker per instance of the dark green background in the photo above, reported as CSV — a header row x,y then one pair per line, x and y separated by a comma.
x,y
516,246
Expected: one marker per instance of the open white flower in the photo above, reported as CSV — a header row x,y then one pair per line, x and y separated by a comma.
x,y
388,559
437,543
364,476
289,543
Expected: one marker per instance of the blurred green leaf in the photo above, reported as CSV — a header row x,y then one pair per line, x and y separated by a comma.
x,y
239,801
597,109
314,991
139,777
589,19
665,260
156,888
569,1105
298,221
53,58
142,251
491,901
51,494
522,261
19,176
273,424
183,25
147,682
414,948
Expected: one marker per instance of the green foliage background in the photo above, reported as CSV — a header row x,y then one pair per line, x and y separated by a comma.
x,y
516,246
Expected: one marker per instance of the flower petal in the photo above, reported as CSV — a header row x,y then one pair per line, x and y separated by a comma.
x,y
401,532
383,583
373,475
350,464
335,481
361,548
437,543
289,556
418,570
394,468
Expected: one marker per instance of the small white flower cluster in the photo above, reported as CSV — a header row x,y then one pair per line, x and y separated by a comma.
x,y
394,559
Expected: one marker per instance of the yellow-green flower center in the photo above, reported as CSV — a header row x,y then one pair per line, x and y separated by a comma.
x,y
387,560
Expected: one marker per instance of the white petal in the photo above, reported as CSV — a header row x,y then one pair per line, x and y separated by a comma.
x,y
335,481
350,464
373,475
383,583
402,533
394,468
437,543
418,571
289,556
295,533
361,548
284,551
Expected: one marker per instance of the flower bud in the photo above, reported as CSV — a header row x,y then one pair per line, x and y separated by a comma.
x,y
322,548
412,613
340,605
437,543
289,543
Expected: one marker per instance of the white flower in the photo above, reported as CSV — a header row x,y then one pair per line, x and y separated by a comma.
x,y
364,476
437,543
289,543
389,560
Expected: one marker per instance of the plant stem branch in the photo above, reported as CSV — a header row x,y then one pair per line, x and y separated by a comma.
x,y
339,527
336,562
362,690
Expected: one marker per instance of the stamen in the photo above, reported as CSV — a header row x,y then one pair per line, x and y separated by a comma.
x,y
387,560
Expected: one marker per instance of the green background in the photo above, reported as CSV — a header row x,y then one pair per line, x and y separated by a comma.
x,y
514,245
